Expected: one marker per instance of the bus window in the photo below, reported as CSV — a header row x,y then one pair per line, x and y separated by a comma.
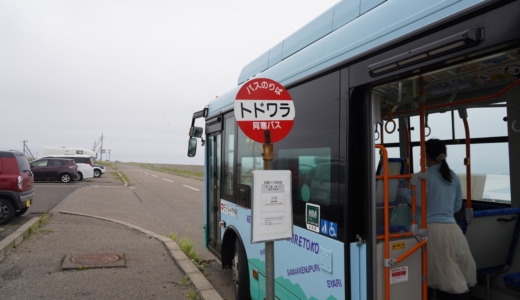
x,y
315,180
489,170
229,158
312,173
249,158
440,124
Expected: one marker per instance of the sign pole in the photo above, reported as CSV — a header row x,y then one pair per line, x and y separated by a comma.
x,y
267,155
265,112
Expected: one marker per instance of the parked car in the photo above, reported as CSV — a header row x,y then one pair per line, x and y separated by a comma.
x,y
64,170
99,170
85,165
16,185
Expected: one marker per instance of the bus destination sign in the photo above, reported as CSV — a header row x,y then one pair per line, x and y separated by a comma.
x,y
263,104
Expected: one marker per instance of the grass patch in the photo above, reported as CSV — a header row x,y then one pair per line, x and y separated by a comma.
x,y
121,176
180,172
185,280
36,227
191,294
106,164
186,246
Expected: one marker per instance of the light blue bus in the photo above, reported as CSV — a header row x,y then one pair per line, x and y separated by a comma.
x,y
371,80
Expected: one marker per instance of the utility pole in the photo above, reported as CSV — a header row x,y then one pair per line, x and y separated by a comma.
x,y
27,151
101,149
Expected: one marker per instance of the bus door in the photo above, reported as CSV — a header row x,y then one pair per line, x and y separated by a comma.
x,y
213,213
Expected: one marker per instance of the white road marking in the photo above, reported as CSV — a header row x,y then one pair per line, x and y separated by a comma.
x,y
167,180
155,176
191,187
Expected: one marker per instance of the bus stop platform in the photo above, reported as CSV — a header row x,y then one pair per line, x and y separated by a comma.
x,y
82,256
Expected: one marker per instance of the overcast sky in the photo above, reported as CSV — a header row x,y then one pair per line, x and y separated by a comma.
x,y
132,70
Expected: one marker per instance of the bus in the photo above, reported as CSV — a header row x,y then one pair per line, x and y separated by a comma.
x,y
371,81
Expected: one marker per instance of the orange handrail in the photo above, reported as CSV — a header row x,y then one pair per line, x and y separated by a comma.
x,y
395,235
394,176
387,236
466,101
409,252
422,111
386,219
478,99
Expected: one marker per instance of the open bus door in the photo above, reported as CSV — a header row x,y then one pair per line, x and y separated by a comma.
x,y
442,103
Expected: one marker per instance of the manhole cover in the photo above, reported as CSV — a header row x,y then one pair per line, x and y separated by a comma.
x,y
93,260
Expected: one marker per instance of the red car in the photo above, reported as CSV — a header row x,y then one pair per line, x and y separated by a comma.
x,y
16,185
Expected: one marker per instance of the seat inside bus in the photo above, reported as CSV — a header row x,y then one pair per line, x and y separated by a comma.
x,y
396,166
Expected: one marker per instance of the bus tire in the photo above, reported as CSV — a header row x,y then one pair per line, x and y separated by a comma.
x,y
240,272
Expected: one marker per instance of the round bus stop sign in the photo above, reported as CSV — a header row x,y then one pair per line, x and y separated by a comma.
x,y
264,105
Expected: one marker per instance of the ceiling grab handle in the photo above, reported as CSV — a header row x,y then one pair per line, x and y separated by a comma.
x,y
426,126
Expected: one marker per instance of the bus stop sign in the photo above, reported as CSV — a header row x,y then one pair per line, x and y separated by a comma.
x,y
263,104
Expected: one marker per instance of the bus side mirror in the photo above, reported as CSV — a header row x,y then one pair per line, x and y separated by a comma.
x,y
196,131
192,147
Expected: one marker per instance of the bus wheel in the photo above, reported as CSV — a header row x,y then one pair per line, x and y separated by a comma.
x,y
240,272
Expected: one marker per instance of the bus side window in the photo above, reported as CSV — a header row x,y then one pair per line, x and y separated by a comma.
x,y
228,157
319,184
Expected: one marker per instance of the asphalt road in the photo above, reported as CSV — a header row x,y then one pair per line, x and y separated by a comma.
x,y
170,204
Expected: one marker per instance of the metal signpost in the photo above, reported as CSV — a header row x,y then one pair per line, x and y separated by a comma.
x,y
264,111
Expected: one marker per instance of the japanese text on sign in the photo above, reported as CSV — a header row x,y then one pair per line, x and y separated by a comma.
x,y
271,86
263,105
251,110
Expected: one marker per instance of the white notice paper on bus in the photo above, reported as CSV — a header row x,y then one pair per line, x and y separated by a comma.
x,y
271,206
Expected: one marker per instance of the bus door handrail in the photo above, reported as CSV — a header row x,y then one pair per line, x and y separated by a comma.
x,y
387,236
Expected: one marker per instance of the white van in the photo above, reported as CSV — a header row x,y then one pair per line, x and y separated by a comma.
x,y
85,165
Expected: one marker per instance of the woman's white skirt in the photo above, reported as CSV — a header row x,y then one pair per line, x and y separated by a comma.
x,y
451,267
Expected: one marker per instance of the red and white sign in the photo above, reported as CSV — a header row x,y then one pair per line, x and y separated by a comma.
x,y
264,104
398,275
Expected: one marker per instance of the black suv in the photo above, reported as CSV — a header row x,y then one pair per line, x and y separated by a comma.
x,y
16,185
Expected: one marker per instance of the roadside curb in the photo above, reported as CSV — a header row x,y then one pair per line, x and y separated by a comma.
x,y
203,286
122,178
16,238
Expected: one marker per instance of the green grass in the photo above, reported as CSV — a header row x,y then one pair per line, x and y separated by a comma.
x,y
170,170
121,176
191,294
185,280
186,246
36,227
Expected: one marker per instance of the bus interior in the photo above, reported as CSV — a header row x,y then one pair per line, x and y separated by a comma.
x,y
474,108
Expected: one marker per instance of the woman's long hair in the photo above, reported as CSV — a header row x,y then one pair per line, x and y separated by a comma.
x,y
436,150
